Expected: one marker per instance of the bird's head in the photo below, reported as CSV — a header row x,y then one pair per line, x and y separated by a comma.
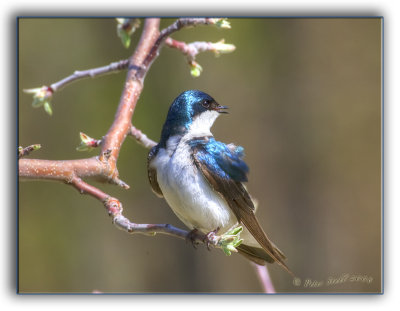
x,y
191,112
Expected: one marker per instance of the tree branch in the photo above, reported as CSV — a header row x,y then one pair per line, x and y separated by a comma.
x,y
114,138
142,138
91,73
165,33
265,279
114,209
192,49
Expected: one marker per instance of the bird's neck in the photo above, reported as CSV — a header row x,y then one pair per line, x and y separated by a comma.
x,y
199,127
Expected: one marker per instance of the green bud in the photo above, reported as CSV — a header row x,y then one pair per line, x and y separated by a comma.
x,y
195,69
226,251
37,102
87,142
221,47
125,28
47,108
222,23
41,98
231,248
235,231
230,240
238,242
125,38
85,138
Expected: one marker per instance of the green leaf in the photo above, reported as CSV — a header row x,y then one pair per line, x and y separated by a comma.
x,y
125,37
226,251
235,231
125,28
223,23
230,240
37,102
47,108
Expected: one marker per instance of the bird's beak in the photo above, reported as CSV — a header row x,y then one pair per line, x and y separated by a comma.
x,y
220,109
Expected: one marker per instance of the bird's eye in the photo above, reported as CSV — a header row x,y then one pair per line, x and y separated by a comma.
x,y
206,104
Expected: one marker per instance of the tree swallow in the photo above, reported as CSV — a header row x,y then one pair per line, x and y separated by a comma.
x,y
202,179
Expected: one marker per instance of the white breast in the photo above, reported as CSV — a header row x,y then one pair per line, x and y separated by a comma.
x,y
187,192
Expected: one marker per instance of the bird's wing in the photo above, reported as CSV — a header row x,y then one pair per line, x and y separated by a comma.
x,y
224,169
152,173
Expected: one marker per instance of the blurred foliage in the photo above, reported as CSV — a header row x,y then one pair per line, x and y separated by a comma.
x,y
305,103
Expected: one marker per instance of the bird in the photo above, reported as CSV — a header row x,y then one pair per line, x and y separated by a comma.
x,y
202,179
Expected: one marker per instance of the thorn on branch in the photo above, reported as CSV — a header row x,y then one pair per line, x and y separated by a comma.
x,y
27,150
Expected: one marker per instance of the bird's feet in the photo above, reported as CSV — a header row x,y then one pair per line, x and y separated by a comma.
x,y
210,238
193,236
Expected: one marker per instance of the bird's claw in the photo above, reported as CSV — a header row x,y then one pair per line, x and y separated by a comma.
x,y
192,237
210,238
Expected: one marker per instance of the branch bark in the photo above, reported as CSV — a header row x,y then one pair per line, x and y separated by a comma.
x,y
133,87
90,73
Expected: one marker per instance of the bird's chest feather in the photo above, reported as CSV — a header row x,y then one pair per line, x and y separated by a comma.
x,y
188,193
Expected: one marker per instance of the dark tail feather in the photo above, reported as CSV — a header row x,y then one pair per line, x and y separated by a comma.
x,y
260,256
242,249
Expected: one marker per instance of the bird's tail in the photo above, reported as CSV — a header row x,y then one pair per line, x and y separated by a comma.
x,y
261,257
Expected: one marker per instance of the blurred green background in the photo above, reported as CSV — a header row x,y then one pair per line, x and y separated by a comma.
x,y
305,103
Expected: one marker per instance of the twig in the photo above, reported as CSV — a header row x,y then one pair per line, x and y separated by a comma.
x,y
192,49
91,73
27,150
265,279
165,33
142,138
77,75
114,209
45,93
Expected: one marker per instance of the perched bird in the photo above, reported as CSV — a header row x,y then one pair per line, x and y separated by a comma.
x,y
202,179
